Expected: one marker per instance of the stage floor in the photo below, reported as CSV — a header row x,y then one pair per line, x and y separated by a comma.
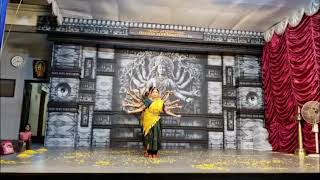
x,y
82,160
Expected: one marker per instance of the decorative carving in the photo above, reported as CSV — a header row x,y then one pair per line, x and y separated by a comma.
x,y
249,83
229,92
229,76
66,56
215,140
62,107
183,145
185,122
182,134
250,98
214,97
248,68
215,123
126,133
251,115
230,120
64,89
87,85
105,67
120,28
101,119
61,129
101,137
65,73
103,93
86,97
247,133
125,119
214,73
84,116
230,103
165,33
88,68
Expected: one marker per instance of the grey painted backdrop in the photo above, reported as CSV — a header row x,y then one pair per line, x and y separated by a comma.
x,y
221,98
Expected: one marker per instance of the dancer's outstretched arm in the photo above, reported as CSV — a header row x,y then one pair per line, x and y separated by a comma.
x,y
137,110
166,95
131,104
174,107
172,102
167,111
134,96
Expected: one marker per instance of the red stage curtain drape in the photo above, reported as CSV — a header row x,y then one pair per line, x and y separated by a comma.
x,y
291,77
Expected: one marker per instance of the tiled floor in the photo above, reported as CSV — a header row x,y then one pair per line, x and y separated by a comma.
x,y
70,160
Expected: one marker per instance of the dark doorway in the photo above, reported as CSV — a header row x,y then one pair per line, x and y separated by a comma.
x,y
34,108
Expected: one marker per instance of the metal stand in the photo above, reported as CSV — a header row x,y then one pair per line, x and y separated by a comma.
x,y
300,151
315,129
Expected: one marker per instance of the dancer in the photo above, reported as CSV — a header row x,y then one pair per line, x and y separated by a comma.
x,y
151,107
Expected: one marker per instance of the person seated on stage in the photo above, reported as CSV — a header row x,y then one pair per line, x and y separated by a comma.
x,y
25,138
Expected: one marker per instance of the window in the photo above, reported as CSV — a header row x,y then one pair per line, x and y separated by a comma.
x,y
7,87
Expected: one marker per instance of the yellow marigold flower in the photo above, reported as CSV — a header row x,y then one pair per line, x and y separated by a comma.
x,y
7,162
103,163
23,155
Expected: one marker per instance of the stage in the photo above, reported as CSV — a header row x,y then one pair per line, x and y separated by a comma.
x,y
204,163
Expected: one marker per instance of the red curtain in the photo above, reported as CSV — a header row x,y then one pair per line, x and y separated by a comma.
x,y
291,77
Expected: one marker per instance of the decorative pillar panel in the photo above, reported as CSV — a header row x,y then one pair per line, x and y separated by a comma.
x,y
215,140
250,129
64,93
102,118
251,133
214,60
214,97
101,129
61,128
104,93
250,98
101,137
104,83
66,56
86,96
229,102
64,89
214,102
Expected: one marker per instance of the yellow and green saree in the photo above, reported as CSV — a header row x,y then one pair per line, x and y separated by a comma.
x,y
151,123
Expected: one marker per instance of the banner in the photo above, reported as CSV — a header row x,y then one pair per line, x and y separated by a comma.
x,y
3,11
165,33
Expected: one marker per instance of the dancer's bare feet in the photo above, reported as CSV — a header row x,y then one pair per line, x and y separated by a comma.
x,y
156,156
145,153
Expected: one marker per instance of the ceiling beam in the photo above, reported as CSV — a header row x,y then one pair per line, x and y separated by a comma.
x,y
26,16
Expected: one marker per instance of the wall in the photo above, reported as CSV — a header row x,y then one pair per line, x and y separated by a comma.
x,y
30,46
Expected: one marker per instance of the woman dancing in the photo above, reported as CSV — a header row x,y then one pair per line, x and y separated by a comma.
x,y
151,105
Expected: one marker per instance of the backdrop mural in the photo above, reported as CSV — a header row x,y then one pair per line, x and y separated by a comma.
x,y
221,98
180,73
